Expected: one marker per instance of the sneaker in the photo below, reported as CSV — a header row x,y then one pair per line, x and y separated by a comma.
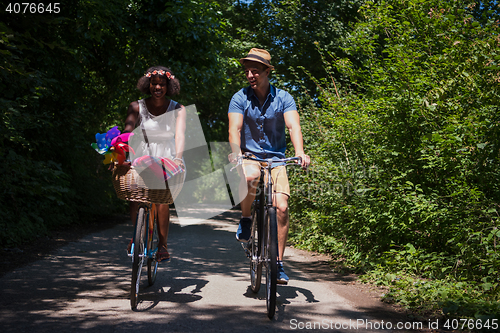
x,y
282,277
244,230
129,247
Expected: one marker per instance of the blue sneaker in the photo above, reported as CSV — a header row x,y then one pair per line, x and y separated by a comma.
x,y
282,277
244,230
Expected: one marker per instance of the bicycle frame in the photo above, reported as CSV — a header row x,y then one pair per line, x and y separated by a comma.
x,y
150,210
268,188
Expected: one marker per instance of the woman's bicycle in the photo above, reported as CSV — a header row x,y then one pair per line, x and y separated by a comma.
x,y
130,185
262,248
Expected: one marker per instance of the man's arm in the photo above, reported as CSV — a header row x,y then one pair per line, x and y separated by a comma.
x,y
292,122
235,126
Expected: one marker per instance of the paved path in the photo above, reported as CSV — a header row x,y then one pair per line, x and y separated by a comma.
x,y
84,287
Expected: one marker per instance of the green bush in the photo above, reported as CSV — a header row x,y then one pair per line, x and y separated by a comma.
x,y
406,153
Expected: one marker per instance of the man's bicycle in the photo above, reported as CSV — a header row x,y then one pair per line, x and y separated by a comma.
x,y
262,248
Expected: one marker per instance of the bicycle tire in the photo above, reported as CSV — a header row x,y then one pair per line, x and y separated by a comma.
x,y
153,250
138,256
271,261
255,242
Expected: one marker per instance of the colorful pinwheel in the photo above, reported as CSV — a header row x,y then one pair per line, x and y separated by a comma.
x,y
112,145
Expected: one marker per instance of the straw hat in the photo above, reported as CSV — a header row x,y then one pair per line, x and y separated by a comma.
x,y
258,55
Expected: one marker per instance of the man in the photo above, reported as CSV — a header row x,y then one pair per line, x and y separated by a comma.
x,y
258,115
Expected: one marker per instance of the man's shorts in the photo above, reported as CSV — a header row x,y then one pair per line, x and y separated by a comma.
x,y
279,176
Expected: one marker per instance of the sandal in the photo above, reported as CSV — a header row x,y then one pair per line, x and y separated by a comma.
x,y
162,254
129,247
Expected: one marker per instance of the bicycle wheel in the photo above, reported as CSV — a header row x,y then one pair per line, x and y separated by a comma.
x,y
255,242
152,249
271,255
138,258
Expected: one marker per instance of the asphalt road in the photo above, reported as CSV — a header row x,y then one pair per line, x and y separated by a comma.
x,y
84,287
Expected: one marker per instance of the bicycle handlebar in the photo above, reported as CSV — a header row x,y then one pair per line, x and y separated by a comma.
x,y
249,156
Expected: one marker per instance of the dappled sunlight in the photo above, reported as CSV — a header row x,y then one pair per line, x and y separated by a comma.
x,y
85,286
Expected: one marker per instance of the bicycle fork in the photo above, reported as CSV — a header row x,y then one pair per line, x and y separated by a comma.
x,y
149,230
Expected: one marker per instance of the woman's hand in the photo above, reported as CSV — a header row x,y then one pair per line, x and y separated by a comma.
x,y
179,162
126,164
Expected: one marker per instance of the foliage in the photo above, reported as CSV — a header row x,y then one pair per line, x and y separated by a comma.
x,y
459,299
66,76
288,30
408,145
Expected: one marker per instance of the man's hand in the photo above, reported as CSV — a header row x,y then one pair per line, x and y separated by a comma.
x,y
233,157
306,160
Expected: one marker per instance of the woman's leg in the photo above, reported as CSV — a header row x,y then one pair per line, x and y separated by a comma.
x,y
133,206
163,226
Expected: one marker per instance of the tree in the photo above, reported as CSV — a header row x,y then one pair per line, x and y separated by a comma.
x,y
290,29
69,75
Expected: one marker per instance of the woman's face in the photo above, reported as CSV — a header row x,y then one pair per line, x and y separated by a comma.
x,y
158,86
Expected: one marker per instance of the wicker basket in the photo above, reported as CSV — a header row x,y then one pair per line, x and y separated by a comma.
x,y
130,186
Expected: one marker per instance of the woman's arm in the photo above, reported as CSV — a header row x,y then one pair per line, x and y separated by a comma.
x,y
132,117
180,130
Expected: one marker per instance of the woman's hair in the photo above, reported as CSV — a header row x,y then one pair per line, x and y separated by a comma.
x,y
173,85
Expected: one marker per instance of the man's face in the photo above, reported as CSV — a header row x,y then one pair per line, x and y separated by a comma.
x,y
256,73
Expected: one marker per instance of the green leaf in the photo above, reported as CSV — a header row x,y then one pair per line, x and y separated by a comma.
x,y
487,286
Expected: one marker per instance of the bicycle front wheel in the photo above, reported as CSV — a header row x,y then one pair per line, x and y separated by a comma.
x,y
138,256
271,255
152,249
255,242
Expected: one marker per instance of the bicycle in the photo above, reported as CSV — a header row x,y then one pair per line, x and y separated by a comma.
x,y
144,247
130,185
262,248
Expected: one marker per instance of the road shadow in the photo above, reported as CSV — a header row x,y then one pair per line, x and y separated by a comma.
x,y
85,287
178,291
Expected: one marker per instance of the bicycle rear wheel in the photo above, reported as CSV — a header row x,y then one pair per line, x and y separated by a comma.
x,y
138,255
255,242
152,249
271,255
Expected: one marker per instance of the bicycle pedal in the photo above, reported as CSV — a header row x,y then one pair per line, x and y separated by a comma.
x,y
246,249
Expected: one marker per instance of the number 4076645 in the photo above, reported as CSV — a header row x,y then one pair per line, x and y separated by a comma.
x,y
33,8
471,324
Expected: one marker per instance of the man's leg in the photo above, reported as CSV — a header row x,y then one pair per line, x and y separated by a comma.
x,y
249,186
250,180
280,200
283,222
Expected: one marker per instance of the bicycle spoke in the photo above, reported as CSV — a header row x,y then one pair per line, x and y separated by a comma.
x,y
271,261
152,250
255,262
138,256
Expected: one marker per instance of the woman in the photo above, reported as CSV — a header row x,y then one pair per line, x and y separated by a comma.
x,y
160,83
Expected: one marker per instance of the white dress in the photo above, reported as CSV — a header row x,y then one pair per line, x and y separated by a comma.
x,y
160,131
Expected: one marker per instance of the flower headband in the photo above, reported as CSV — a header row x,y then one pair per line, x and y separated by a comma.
x,y
160,72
